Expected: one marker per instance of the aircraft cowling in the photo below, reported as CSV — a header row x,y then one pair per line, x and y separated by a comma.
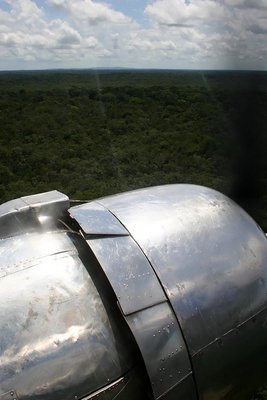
x,y
156,293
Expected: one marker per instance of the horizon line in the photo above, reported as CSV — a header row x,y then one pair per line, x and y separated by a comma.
x,y
131,69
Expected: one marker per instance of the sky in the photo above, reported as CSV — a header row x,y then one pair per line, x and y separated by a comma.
x,y
172,34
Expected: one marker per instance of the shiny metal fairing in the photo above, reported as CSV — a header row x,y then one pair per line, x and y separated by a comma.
x,y
141,299
59,338
26,213
157,293
211,259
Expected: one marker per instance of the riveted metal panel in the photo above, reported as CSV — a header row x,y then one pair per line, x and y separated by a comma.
x,y
11,395
55,332
129,273
159,338
97,220
211,258
23,251
235,364
208,253
41,209
184,390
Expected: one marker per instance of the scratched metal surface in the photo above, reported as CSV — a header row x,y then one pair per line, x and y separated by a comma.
x,y
147,313
31,212
162,346
130,274
57,340
211,258
128,387
95,219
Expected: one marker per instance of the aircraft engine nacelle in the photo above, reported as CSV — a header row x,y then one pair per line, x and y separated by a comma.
x,y
158,293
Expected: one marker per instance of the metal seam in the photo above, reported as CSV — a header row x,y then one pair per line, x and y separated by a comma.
x,y
230,331
36,260
175,385
169,302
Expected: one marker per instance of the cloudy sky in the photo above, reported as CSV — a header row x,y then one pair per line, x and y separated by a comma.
x,y
38,34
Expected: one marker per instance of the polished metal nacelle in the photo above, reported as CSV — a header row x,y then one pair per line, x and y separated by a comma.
x,y
158,293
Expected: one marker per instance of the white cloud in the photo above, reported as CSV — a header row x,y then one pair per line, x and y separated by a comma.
x,y
24,8
61,34
177,34
181,13
91,11
26,35
247,4
213,32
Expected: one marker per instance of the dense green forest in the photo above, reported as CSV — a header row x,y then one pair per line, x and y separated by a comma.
x,y
93,133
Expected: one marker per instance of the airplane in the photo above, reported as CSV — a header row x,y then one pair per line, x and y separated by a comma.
x,y
156,293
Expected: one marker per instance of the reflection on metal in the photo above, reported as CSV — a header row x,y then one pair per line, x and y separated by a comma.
x,y
185,389
41,209
11,395
162,346
20,252
126,387
130,274
95,219
188,269
211,258
146,311
109,392
55,331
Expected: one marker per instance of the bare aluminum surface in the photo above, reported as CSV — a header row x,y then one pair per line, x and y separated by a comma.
x,y
159,338
129,272
224,377
211,258
24,251
128,387
97,220
20,214
11,395
184,390
108,392
57,340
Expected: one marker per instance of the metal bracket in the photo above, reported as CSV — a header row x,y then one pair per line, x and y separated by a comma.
x,y
16,215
